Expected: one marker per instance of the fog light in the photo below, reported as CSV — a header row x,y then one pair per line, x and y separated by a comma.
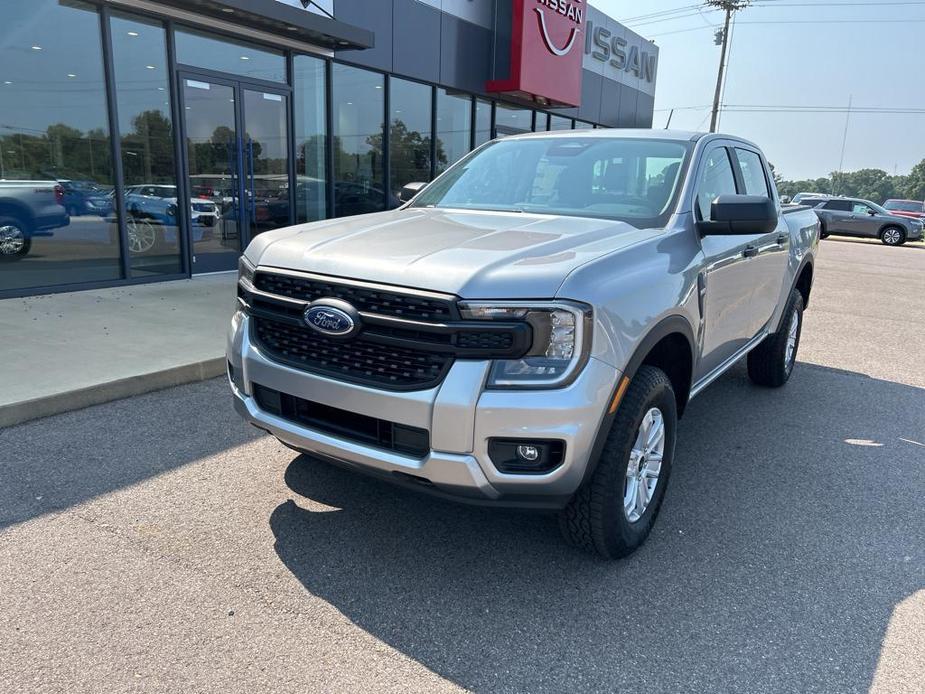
x,y
526,456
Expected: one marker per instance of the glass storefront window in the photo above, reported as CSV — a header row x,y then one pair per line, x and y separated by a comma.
x,y
310,138
482,122
227,55
358,108
454,125
139,56
55,150
409,133
559,122
510,120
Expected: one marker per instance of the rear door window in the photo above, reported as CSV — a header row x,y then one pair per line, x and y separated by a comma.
x,y
752,173
838,205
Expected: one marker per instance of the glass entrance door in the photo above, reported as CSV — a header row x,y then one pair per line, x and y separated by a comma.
x,y
237,167
266,161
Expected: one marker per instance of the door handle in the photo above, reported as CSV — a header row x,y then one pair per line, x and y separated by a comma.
x,y
782,239
750,251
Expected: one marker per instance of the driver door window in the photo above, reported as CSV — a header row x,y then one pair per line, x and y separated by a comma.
x,y
861,208
716,179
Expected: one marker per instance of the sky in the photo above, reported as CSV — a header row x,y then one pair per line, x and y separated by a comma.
x,y
796,53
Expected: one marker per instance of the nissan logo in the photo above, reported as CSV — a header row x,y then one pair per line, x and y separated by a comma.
x,y
332,317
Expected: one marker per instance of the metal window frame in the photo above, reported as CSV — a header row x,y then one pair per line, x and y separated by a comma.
x,y
170,25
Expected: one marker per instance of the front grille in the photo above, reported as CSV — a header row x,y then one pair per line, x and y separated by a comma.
x,y
370,431
365,300
355,360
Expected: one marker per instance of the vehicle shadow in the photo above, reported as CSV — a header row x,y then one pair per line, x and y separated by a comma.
x,y
792,528
43,469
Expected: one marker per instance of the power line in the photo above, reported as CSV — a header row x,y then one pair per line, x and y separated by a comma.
x,y
797,21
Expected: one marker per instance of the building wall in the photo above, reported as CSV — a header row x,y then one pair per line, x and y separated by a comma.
x,y
615,91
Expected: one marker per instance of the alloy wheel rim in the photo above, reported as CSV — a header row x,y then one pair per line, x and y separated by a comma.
x,y
141,236
891,236
644,466
792,333
12,240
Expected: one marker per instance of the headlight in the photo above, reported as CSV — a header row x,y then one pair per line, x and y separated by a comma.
x,y
561,342
245,270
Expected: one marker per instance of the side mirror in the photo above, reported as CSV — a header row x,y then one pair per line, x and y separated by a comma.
x,y
871,212
409,190
740,214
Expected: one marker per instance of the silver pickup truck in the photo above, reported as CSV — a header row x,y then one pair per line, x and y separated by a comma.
x,y
529,328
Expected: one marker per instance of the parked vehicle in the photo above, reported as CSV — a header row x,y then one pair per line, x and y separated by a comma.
x,y
86,198
866,219
914,209
152,216
529,328
799,197
28,209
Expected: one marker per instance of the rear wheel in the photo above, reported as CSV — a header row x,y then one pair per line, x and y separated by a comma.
x,y
613,513
14,241
771,363
893,236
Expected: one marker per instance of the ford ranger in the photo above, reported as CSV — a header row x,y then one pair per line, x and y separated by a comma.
x,y
528,329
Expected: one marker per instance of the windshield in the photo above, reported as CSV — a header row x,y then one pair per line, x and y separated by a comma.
x,y
631,180
904,205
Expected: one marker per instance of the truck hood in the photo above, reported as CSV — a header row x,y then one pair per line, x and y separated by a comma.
x,y
473,254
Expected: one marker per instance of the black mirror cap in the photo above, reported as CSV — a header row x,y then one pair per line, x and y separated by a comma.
x,y
409,190
740,214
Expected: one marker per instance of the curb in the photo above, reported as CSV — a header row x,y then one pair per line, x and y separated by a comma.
x,y
26,410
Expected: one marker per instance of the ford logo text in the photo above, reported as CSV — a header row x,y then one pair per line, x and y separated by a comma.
x,y
330,319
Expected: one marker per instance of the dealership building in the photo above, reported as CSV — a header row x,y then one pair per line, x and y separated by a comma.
x,y
145,140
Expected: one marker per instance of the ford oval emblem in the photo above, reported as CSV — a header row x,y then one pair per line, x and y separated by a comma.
x,y
332,317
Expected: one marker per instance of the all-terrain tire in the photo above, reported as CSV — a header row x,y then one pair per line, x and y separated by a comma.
x,y
595,519
771,362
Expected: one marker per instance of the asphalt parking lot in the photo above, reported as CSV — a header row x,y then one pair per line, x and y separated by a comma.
x,y
158,544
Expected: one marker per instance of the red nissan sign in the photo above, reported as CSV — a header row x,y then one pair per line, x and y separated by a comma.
x,y
547,42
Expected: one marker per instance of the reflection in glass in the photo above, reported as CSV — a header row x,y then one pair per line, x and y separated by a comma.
x,y
409,133
559,122
148,166
454,123
358,109
227,55
266,161
212,156
55,150
510,120
482,122
311,191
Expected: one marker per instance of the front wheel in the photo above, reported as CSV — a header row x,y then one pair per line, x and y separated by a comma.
x,y
771,362
142,235
612,513
893,236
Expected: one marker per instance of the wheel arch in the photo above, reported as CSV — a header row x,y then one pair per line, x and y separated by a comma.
x,y
804,281
669,345
14,208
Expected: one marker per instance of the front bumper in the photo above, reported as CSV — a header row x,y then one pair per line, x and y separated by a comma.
x,y
459,414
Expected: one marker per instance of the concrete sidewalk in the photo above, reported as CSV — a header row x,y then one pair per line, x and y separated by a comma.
x,y
67,351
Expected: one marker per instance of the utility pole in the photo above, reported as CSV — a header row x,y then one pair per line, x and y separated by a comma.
x,y
844,144
729,7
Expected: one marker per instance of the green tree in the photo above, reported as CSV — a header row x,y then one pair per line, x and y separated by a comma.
x,y
913,185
